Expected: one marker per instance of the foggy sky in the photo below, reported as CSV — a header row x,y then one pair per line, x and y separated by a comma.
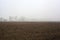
x,y
38,9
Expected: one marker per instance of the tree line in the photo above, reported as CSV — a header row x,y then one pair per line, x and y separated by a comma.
x,y
10,18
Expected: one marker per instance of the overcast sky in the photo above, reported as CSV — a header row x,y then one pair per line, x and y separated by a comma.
x,y
39,9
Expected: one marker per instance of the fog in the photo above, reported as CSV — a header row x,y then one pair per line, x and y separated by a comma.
x,y
46,10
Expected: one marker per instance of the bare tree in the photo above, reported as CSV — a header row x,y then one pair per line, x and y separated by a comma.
x,y
10,18
0,18
22,18
3,19
15,18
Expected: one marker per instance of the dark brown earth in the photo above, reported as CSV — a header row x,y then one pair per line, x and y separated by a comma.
x,y
29,30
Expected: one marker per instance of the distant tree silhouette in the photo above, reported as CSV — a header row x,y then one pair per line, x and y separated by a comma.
x,y
3,19
16,18
22,18
0,19
10,18
13,18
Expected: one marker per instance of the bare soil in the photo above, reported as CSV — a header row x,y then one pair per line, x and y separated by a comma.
x,y
29,30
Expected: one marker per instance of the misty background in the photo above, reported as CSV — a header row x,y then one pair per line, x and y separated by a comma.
x,y
28,10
